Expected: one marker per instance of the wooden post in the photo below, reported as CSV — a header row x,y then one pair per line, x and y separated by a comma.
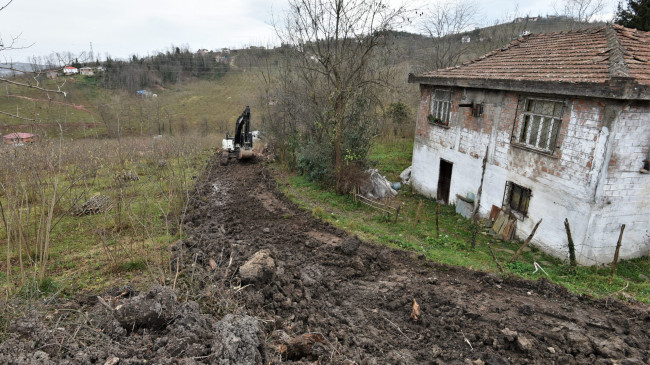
x,y
572,249
437,225
530,237
618,249
494,257
475,223
397,212
417,215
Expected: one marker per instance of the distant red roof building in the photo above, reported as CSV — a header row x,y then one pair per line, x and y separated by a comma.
x,y
19,137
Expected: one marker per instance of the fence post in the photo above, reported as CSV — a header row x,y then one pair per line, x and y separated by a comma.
x,y
618,249
417,215
572,249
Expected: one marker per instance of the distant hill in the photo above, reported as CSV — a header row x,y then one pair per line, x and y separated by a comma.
x,y
20,66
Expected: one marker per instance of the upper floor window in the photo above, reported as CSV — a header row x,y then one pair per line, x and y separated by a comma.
x,y
440,106
540,124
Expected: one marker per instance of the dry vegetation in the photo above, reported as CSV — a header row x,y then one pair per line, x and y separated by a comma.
x,y
50,243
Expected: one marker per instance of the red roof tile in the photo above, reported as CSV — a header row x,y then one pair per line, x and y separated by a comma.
x,y
592,56
18,135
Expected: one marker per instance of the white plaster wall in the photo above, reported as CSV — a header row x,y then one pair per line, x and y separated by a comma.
x,y
545,203
623,196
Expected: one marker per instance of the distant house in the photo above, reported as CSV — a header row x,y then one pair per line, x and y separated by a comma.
x,y
466,39
562,121
87,71
51,74
100,68
225,50
222,58
202,51
69,70
19,138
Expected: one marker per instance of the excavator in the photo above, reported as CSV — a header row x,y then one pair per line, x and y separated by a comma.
x,y
241,144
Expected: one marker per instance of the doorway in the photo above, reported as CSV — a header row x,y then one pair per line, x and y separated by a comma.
x,y
444,181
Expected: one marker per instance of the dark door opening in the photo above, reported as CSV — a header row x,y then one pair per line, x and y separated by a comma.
x,y
444,181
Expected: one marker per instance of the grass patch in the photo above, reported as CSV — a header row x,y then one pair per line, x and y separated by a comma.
x,y
451,245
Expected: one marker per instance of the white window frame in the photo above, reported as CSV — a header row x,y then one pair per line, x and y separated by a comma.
x,y
544,143
440,108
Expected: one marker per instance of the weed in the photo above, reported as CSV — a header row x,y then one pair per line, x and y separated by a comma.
x,y
132,265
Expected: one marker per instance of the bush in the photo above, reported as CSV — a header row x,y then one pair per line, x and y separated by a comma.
x,y
315,161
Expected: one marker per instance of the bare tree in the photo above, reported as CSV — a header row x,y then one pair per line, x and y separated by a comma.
x,y
331,47
445,22
583,11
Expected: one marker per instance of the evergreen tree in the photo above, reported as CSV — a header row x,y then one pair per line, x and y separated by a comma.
x,y
635,15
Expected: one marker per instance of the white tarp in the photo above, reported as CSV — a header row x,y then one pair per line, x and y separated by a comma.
x,y
406,176
378,187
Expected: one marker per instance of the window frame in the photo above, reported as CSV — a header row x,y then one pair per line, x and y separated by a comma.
x,y
527,119
511,188
440,116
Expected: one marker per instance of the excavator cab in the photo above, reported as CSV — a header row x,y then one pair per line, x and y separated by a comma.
x,y
241,144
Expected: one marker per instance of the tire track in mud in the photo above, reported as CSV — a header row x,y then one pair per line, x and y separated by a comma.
x,y
360,303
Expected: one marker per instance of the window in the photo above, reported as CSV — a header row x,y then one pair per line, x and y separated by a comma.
x,y
440,106
517,198
540,124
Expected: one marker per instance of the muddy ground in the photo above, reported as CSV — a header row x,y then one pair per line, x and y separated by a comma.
x,y
260,281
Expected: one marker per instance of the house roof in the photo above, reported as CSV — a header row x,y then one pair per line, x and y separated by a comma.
x,y
18,135
608,61
70,68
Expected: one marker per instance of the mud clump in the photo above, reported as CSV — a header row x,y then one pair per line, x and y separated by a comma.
x,y
152,310
258,269
150,327
350,245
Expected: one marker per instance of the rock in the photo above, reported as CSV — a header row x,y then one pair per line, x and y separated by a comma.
x,y
510,335
258,269
524,344
551,349
350,245
112,361
266,230
153,310
644,277
436,351
302,347
406,176
239,340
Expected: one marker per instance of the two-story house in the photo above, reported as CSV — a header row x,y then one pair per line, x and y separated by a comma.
x,y
565,121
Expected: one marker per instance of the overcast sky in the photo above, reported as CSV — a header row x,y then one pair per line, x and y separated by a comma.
x,y
121,28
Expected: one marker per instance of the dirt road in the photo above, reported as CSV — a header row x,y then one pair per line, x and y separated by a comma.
x,y
316,294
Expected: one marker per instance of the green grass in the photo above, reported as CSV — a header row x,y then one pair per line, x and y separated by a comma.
x,y
452,245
